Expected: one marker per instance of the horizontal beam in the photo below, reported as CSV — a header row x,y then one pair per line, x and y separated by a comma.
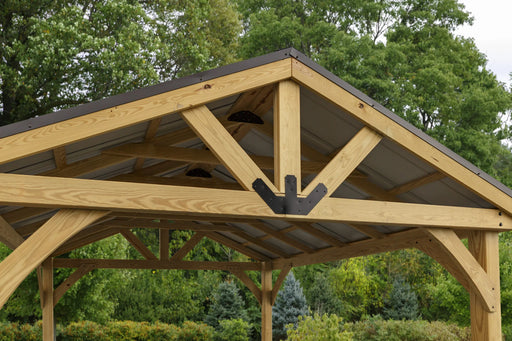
x,y
396,241
27,190
189,155
154,264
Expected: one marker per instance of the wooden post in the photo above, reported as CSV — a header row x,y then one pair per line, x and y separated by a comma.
x,y
485,325
266,302
47,297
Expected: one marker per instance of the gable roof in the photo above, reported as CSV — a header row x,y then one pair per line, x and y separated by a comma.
x,y
107,142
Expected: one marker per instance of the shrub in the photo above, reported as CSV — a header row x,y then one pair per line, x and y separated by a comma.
x,y
376,329
192,331
325,327
233,330
24,332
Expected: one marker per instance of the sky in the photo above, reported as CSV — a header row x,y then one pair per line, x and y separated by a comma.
x,y
492,31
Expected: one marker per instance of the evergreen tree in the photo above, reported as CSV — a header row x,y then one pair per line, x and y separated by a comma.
x,y
227,304
322,299
402,303
290,304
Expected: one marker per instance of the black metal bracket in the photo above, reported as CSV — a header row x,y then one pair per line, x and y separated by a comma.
x,y
290,203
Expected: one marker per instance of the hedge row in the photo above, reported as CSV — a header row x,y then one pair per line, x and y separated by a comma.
x,y
368,330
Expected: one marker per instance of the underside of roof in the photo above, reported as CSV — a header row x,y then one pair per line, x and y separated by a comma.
x,y
186,154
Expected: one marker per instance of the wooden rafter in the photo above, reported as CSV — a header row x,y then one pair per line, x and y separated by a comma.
x,y
219,238
225,148
306,227
395,241
150,134
158,199
253,240
180,180
40,246
399,134
424,180
82,127
59,155
155,264
92,236
281,236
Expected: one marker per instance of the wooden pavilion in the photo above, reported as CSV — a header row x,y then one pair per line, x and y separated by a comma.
x,y
350,178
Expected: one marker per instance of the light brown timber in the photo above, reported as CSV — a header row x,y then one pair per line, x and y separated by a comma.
x,y
242,276
155,264
58,134
163,243
80,272
26,257
138,244
279,281
47,297
287,156
9,236
485,325
159,199
266,302
189,245
399,134
409,186
445,247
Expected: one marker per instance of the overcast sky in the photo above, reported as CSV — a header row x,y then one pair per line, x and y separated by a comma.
x,y
492,30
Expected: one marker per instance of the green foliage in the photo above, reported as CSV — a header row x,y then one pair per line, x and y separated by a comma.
x,y
322,299
227,304
405,55
358,290
319,327
57,54
290,304
376,329
233,330
402,303
20,332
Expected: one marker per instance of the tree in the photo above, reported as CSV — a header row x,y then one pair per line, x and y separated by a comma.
x,y
405,55
227,304
57,54
290,304
402,303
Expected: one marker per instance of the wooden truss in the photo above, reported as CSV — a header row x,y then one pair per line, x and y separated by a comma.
x,y
61,212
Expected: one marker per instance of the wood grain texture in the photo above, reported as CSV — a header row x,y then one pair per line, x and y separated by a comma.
x,y
395,132
62,226
155,264
485,325
189,155
47,297
242,276
189,245
445,247
287,155
163,243
138,244
224,147
345,161
409,186
396,241
9,236
100,122
279,281
266,302
23,190
80,272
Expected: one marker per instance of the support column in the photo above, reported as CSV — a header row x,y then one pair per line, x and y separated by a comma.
x,y
266,302
47,298
485,325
